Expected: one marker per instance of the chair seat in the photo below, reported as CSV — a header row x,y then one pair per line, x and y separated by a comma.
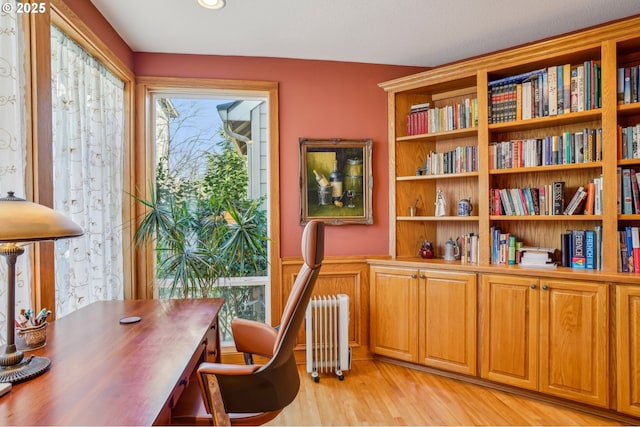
x,y
190,411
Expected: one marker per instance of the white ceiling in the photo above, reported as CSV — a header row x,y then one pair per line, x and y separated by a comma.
x,y
401,32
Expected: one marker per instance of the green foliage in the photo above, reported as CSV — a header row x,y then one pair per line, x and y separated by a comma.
x,y
226,176
204,230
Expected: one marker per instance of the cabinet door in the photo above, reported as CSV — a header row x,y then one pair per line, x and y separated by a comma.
x,y
394,312
628,348
447,331
574,340
509,330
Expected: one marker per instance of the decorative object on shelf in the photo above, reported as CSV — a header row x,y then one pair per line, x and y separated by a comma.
x,y
465,207
413,209
24,222
451,250
345,197
441,204
426,250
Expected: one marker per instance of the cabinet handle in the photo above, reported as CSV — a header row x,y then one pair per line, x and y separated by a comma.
x,y
413,276
545,287
422,276
533,286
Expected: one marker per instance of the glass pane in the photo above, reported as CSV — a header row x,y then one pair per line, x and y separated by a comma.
x,y
210,203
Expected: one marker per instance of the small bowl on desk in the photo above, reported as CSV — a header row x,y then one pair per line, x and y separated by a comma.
x,y
32,337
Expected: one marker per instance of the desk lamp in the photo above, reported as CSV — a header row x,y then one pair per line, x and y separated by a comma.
x,y
22,222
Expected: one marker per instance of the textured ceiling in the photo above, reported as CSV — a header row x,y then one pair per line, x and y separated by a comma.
x,y
401,32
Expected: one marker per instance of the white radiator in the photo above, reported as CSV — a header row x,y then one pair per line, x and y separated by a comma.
x,y
327,331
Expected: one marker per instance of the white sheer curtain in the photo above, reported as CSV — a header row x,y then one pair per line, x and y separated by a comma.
x,y
88,139
12,149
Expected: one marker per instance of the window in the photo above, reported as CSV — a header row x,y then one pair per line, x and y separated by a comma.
x,y
210,152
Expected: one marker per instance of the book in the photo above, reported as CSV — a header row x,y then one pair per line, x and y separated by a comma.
x,y
635,248
511,260
590,200
629,244
590,249
635,194
566,79
558,197
536,257
575,201
598,250
597,199
574,90
623,257
565,249
581,87
627,197
552,77
578,256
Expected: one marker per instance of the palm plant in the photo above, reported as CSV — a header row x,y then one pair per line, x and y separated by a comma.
x,y
201,240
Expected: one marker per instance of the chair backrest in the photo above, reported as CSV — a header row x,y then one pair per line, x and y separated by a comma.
x,y
294,311
275,384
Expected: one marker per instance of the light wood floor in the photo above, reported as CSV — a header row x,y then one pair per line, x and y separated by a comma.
x,y
379,393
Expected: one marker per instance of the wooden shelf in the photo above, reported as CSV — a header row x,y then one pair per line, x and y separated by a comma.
x,y
541,122
550,168
458,133
442,176
545,217
438,218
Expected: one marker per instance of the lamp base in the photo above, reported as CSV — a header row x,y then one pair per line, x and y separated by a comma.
x,y
27,369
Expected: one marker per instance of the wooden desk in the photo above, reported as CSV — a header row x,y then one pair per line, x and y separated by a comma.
x,y
105,373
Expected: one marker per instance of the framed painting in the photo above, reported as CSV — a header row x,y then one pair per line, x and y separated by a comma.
x,y
335,181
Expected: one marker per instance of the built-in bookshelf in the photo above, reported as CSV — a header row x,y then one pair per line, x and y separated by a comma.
x,y
440,155
628,153
523,120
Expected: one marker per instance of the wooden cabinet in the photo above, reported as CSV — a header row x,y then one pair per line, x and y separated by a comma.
x,y
447,321
549,335
394,312
509,322
628,349
426,317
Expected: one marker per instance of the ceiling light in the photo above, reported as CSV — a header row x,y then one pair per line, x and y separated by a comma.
x,y
212,4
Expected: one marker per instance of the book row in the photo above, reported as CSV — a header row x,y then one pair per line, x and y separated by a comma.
x,y
460,159
579,249
548,199
629,249
507,249
628,191
504,247
578,147
628,84
469,248
423,118
582,249
629,142
551,91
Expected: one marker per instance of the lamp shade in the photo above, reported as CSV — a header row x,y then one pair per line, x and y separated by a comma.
x,y
24,221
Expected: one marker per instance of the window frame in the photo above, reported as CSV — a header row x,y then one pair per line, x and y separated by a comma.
x,y
37,35
146,89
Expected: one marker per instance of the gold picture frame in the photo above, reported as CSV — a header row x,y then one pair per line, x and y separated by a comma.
x,y
347,198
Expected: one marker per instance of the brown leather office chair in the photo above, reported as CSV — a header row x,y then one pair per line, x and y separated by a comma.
x,y
255,394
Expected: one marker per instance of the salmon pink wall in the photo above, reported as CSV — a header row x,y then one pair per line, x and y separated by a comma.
x,y
318,99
